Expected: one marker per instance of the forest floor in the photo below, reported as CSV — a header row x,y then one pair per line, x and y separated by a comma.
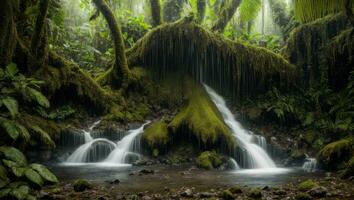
x,y
156,184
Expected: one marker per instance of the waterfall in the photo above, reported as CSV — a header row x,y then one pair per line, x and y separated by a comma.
x,y
105,151
124,147
310,164
253,155
234,164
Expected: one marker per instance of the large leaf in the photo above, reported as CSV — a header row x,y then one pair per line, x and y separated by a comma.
x,y
10,128
10,163
38,97
20,192
34,177
11,105
43,136
3,177
24,132
11,69
18,171
14,154
45,173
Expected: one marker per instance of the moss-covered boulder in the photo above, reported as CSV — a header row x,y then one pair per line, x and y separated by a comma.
x,y
255,193
334,154
156,135
209,160
82,185
349,170
200,119
227,195
307,185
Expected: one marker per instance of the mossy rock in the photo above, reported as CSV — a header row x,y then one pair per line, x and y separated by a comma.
x,y
333,154
209,160
235,189
227,195
200,118
349,170
255,193
82,185
156,135
307,185
303,196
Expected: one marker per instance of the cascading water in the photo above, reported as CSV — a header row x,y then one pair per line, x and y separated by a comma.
x,y
234,164
96,150
310,164
256,157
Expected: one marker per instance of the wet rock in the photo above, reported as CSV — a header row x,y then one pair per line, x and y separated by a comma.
x,y
187,193
303,196
82,185
146,197
318,191
266,187
227,195
235,190
114,182
207,195
280,192
255,193
146,171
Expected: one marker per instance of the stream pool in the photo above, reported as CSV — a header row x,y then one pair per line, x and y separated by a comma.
x,y
179,176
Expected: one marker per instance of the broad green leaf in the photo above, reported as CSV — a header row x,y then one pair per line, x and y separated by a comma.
x,y
38,97
4,192
3,173
34,177
9,163
43,136
18,171
17,184
14,154
20,192
24,132
4,182
11,69
11,105
10,128
45,173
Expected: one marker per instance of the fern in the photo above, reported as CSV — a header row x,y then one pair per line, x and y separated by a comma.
x,y
37,96
42,136
11,105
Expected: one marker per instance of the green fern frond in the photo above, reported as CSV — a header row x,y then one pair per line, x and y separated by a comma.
x,y
10,128
37,96
310,10
42,136
11,105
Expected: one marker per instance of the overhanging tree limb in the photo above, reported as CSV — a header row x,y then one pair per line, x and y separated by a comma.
x,y
225,15
119,74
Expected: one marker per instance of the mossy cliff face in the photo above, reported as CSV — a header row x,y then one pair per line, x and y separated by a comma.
x,y
197,121
228,66
333,155
305,46
340,59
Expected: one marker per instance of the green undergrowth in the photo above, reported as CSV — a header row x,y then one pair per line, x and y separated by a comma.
x,y
239,69
209,160
307,185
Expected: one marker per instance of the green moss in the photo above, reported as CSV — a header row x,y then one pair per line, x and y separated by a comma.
x,y
82,185
333,154
349,170
307,185
310,137
227,195
243,70
200,117
303,196
209,160
156,135
255,193
305,45
235,189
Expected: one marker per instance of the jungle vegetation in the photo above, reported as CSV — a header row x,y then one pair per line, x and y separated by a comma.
x,y
64,61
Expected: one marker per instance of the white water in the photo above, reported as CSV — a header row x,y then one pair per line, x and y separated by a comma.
x,y
256,155
119,150
310,164
235,164
123,147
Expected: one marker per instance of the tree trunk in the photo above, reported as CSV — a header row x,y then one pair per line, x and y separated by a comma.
x,y
155,12
119,75
201,7
225,15
39,42
7,32
172,10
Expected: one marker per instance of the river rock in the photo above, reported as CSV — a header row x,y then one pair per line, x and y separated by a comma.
x,y
187,193
114,182
319,191
207,194
146,171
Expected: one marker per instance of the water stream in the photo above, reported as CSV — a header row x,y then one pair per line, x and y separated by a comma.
x,y
104,152
256,156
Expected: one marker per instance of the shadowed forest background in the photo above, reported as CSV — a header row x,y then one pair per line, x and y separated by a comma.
x,y
113,96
